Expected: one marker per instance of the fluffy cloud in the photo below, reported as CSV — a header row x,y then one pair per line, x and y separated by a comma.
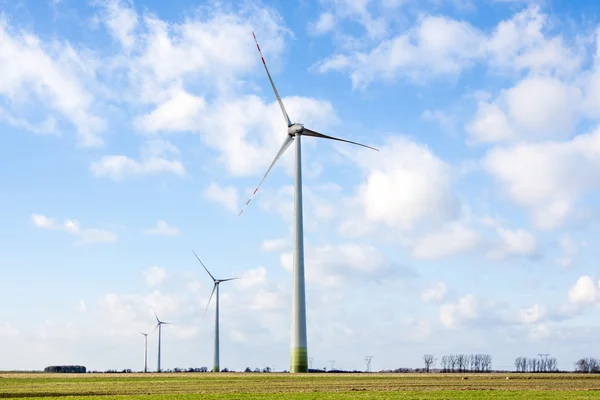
x,y
437,292
453,314
331,265
275,244
227,196
120,20
155,156
162,229
155,275
531,315
53,75
449,240
547,177
537,107
72,226
406,185
439,46
585,291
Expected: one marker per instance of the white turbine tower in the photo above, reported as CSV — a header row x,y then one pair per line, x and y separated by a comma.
x,y
216,367
159,326
298,350
145,352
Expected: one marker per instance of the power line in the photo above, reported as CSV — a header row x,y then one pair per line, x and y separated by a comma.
x,y
368,362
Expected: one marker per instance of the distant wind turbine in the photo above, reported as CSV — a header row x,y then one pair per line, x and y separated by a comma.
x,y
216,367
298,346
159,326
145,352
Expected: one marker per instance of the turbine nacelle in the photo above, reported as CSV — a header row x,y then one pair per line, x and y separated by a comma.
x,y
295,129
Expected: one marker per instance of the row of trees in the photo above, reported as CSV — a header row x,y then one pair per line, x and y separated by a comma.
x,y
66,369
541,364
460,363
589,365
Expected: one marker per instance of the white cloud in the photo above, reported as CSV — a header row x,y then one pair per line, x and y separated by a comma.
x,y
227,196
121,21
180,112
81,306
570,251
52,74
518,242
437,292
531,315
72,226
585,291
537,107
438,46
153,160
324,24
406,185
330,265
155,275
442,243
453,314
548,177
271,245
162,229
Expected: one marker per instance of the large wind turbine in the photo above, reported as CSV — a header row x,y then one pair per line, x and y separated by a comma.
x,y
159,326
216,367
145,352
298,350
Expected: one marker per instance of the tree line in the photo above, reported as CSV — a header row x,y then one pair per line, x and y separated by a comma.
x,y
460,362
541,364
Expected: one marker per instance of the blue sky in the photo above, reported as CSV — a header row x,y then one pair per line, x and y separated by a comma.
x,y
133,133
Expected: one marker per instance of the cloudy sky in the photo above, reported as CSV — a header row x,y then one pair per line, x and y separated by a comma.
x,y
133,132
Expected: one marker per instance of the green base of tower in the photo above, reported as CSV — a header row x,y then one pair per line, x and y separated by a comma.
x,y
216,368
298,360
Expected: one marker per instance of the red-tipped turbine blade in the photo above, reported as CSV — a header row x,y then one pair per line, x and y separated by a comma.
x,y
288,140
285,114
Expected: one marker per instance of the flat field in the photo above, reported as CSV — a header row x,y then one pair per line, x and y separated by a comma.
x,y
249,386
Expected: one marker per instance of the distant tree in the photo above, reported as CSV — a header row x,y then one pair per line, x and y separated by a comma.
x,y
428,360
68,369
248,369
445,363
266,369
256,369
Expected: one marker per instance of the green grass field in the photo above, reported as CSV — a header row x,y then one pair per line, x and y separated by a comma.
x,y
314,386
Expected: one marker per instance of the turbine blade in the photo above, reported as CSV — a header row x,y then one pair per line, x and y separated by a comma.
x,y
308,132
157,320
231,279
285,115
284,147
213,278
155,327
209,299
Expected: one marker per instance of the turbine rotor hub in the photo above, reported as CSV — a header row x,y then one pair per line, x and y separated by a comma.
x,y
295,129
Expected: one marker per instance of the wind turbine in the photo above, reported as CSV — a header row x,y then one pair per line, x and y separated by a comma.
x,y
159,326
298,347
145,352
216,367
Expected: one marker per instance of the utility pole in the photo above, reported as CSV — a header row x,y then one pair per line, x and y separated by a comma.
x,y
368,362
331,362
